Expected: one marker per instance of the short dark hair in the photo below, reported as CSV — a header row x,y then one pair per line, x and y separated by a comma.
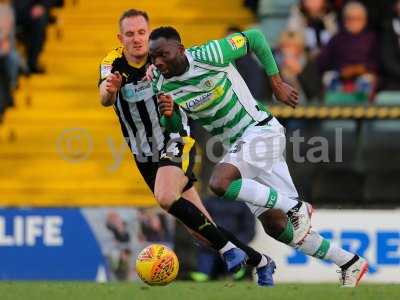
x,y
234,28
133,13
167,32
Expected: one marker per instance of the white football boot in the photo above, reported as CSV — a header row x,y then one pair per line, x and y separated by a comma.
x,y
352,275
300,217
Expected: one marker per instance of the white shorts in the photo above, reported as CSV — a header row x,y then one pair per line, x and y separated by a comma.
x,y
259,155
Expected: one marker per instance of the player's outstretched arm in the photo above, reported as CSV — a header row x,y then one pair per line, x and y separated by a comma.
x,y
259,45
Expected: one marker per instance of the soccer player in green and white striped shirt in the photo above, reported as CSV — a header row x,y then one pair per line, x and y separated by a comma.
x,y
202,82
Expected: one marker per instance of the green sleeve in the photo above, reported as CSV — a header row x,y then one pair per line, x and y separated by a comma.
x,y
173,123
224,51
259,45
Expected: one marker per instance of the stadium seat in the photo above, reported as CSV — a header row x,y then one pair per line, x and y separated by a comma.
x,y
301,170
316,180
341,136
388,98
342,98
337,188
380,145
382,189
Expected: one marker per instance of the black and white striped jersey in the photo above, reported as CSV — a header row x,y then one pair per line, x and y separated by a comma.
x,y
136,106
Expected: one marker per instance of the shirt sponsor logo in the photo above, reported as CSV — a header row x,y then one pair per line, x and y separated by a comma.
x,y
205,99
137,92
192,104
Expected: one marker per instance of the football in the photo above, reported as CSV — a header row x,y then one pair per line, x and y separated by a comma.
x,y
157,265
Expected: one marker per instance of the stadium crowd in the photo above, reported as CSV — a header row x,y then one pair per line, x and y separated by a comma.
x,y
329,49
22,22
334,49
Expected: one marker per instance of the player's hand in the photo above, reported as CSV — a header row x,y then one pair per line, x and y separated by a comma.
x,y
113,82
165,105
149,73
284,92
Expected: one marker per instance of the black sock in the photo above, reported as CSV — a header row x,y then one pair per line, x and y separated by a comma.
x,y
192,217
254,257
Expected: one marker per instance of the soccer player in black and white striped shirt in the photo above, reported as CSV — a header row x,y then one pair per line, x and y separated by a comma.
x,y
164,160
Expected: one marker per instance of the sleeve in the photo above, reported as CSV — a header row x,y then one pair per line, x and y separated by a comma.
x,y
259,45
173,123
224,51
234,46
104,71
106,65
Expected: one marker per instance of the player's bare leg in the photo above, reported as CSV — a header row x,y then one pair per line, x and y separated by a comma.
x,y
170,182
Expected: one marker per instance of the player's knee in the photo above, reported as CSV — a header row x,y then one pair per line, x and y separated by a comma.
x,y
274,222
165,199
219,185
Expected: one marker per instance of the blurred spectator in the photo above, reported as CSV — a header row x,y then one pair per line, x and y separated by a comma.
x,y
154,226
390,53
120,257
32,20
315,21
118,227
378,10
295,67
273,16
351,56
6,47
251,71
237,218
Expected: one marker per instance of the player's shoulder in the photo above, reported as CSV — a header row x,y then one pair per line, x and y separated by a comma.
x,y
209,53
112,56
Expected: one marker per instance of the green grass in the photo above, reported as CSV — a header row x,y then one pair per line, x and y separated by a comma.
x,y
189,290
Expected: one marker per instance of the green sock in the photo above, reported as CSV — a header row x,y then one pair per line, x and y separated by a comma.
x,y
286,236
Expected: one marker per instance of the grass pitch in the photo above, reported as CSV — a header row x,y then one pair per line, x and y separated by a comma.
x,y
191,291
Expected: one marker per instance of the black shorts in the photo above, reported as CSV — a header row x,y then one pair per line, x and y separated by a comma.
x,y
180,153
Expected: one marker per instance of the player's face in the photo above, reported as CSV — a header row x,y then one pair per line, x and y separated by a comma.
x,y
134,36
167,56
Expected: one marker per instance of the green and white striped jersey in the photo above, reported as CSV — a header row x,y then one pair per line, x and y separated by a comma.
x,y
212,91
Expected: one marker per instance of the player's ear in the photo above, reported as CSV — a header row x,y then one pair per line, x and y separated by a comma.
x,y
119,36
181,48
